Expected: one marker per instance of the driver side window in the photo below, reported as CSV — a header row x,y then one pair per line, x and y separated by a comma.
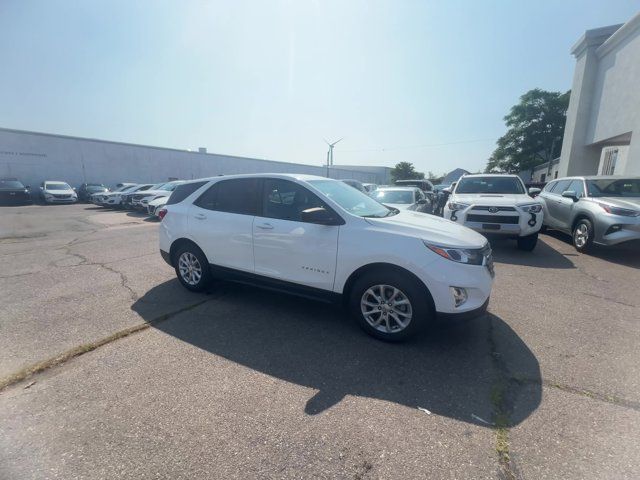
x,y
286,200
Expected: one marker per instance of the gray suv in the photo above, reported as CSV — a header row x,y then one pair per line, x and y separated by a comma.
x,y
603,210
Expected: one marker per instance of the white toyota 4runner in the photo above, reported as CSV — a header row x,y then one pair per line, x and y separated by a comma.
x,y
320,238
496,204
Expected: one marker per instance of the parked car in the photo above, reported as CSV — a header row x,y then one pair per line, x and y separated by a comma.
x,y
496,204
13,192
154,206
85,191
55,191
397,270
355,184
602,210
370,187
111,199
141,201
404,198
126,200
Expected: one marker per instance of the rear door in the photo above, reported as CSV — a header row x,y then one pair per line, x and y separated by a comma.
x,y
221,221
285,247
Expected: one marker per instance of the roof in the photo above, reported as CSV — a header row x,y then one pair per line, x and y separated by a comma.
x,y
491,175
402,189
601,177
295,176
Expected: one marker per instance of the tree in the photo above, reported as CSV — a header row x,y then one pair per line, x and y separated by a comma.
x,y
405,171
535,127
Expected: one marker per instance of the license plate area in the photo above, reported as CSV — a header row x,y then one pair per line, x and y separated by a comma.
x,y
490,226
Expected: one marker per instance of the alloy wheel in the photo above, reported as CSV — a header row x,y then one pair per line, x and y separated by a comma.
x,y
581,235
386,308
190,268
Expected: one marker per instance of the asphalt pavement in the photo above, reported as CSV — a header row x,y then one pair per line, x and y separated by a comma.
x,y
244,383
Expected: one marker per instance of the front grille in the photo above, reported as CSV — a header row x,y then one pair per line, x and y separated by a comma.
x,y
493,218
58,195
497,209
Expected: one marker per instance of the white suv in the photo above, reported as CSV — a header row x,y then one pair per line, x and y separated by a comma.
x,y
320,238
496,204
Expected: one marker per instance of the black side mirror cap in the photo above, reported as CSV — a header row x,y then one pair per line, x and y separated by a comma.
x,y
571,194
320,216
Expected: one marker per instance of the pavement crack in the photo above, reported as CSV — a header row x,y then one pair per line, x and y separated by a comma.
x,y
609,299
63,357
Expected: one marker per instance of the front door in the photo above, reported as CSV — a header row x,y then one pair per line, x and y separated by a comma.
x,y
285,248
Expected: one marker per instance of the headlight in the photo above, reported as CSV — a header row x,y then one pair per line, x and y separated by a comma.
x,y
460,255
624,212
531,208
457,206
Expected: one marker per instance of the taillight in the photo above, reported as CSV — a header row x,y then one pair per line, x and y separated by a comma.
x,y
161,213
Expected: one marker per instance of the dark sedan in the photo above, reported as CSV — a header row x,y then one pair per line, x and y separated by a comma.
x,y
87,189
13,192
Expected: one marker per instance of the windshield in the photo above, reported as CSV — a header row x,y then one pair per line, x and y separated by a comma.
x,y
11,184
96,188
170,187
352,200
56,186
614,187
504,185
394,196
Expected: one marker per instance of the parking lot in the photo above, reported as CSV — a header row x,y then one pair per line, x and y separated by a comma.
x,y
135,377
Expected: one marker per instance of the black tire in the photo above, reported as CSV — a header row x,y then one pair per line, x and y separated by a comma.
x,y
189,282
528,243
543,228
582,227
422,312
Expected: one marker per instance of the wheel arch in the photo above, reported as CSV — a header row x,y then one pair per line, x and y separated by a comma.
x,y
383,267
580,216
180,242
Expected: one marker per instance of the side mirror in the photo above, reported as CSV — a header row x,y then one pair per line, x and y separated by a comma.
x,y
320,216
446,190
534,191
570,194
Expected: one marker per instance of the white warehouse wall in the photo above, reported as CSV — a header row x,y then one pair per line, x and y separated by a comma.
x,y
33,157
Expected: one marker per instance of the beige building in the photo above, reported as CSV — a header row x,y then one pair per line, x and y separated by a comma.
x,y
602,133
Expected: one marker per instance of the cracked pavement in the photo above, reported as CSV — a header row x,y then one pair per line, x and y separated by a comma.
x,y
243,383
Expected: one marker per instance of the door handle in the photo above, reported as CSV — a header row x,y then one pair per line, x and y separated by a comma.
x,y
265,226
200,216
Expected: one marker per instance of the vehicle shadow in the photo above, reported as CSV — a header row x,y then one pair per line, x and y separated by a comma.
x,y
627,254
453,371
543,256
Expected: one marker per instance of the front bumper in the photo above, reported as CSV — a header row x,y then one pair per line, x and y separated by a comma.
x,y
492,223
616,229
463,316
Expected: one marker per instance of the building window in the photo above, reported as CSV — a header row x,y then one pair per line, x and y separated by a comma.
x,y
543,177
555,175
610,159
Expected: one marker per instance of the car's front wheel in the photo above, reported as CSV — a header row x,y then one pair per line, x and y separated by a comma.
x,y
389,305
528,243
583,235
192,268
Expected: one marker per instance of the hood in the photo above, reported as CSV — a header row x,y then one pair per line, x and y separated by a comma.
x,y
622,202
60,192
433,229
497,199
158,201
155,193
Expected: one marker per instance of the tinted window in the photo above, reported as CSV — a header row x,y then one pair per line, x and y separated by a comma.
x,y
549,186
183,191
232,196
287,200
578,187
11,184
561,186
614,187
489,184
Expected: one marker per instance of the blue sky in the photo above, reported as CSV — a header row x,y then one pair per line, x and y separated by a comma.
x,y
419,81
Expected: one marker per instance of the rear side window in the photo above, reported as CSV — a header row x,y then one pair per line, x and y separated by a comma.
x,y
183,191
549,186
238,195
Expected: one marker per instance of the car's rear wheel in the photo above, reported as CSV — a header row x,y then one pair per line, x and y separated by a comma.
x,y
528,243
583,235
192,268
390,306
